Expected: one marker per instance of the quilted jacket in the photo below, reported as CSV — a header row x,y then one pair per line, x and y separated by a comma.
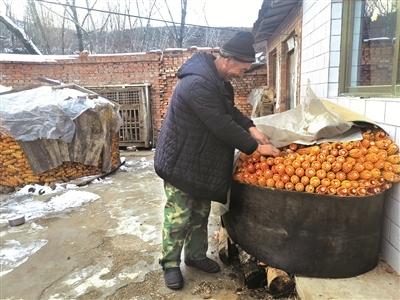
x,y
195,147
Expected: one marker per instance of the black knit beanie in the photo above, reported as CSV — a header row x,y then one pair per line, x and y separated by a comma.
x,y
240,47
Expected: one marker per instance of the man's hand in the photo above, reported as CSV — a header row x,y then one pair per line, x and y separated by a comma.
x,y
260,137
268,150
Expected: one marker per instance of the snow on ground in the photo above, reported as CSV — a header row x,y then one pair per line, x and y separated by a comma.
x,y
13,254
5,88
27,202
37,201
37,189
33,209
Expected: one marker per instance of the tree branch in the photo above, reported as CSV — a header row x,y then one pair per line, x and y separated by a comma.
x,y
20,34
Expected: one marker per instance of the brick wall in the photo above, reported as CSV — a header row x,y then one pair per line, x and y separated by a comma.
x,y
376,63
156,68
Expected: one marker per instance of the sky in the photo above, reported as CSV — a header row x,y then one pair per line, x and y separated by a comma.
x,y
223,12
218,13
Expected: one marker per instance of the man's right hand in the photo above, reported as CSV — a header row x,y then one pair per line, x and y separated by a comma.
x,y
268,150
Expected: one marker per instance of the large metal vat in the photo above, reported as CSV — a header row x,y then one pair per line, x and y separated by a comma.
x,y
307,234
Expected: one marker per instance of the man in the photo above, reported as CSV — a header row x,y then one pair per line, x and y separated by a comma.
x,y
195,148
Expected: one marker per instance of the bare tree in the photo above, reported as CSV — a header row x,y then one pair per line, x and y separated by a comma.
x,y
177,33
132,25
144,42
93,39
71,10
20,34
124,26
63,32
183,20
36,20
7,5
78,28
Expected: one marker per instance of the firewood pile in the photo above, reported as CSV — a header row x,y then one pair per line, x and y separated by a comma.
x,y
255,274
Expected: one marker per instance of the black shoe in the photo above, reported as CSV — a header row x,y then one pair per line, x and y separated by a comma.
x,y
206,265
173,278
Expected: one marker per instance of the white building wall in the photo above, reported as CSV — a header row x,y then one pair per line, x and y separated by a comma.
x,y
320,65
315,46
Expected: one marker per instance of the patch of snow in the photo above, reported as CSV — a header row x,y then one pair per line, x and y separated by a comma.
x,y
70,186
123,168
202,48
5,88
33,209
99,180
95,281
57,297
37,189
174,49
22,33
13,254
130,224
140,164
83,280
118,54
35,58
35,226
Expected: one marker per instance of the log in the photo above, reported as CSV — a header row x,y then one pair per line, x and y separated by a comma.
x,y
254,274
227,251
279,283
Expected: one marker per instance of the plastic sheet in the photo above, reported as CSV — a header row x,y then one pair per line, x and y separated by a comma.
x,y
46,113
308,123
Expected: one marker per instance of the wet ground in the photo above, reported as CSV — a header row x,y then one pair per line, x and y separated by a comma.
x,y
101,241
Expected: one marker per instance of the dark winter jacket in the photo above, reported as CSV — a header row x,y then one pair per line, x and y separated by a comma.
x,y
195,147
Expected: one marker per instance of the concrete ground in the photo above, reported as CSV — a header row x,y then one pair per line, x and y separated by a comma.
x,y
108,248
382,283
104,249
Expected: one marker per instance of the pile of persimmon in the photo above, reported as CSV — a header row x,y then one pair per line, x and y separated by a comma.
x,y
357,168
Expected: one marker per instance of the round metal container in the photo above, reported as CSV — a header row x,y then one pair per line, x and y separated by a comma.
x,y
307,234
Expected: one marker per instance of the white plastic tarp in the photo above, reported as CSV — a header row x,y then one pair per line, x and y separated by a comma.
x,y
44,112
310,122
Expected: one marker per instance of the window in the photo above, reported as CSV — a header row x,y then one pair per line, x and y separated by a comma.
x,y
370,48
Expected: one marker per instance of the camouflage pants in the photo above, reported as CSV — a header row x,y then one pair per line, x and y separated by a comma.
x,y
185,224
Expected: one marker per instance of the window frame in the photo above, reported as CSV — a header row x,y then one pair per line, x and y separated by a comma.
x,y
392,90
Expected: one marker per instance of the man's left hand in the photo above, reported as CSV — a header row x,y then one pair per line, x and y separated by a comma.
x,y
260,137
